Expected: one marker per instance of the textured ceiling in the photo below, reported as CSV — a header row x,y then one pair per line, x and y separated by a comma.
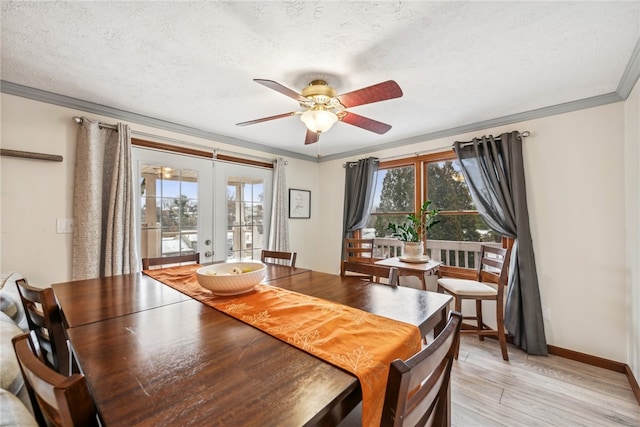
x,y
192,63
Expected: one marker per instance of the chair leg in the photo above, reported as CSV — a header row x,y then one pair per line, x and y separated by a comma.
x,y
458,308
502,337
503,344
479,317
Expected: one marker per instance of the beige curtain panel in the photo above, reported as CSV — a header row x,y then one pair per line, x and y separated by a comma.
x,y
104,233
279,226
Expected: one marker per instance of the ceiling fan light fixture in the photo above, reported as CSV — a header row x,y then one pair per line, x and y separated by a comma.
x,y
318,120
321,108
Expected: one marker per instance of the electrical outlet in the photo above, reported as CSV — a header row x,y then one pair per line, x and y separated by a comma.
x,y
64,225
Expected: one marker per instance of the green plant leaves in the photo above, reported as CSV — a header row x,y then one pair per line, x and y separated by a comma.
x,y
414,229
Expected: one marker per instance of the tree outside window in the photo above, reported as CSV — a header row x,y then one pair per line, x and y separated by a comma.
x,y
169,211
459,219
393,200
400,185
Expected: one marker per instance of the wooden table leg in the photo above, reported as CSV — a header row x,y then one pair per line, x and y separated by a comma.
x,y
420,276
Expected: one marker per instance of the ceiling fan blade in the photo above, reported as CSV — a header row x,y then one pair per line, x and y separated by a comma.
x,y
379,92
282,89
365,123
266,119
311,137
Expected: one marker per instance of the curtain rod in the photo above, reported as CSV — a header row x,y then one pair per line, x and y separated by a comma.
x,y
352,164
417,154
79,120
400,156
524,134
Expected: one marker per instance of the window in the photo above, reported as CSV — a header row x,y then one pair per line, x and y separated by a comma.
x,y
402,186
169,211
242,195
459,219
245,217
393,200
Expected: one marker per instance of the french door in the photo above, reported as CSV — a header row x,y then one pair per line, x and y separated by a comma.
x,y
242,208
190,204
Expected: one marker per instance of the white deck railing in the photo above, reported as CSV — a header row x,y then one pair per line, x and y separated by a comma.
x,y
459,254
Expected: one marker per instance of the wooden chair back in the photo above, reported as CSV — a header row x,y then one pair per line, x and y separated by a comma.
x,y
45,320
371,271
493,266
358,250
418,388
288,258
57,400
147,263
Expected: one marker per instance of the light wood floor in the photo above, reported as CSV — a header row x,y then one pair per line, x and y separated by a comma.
x,y
535,390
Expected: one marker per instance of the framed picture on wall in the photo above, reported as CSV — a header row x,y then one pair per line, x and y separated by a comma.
x,y
299,203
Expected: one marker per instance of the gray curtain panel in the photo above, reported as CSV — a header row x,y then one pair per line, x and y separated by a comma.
x,y
279,226
359,188
104,232
494,171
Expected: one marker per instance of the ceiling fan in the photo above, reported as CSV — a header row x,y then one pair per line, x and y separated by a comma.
x,y
321,108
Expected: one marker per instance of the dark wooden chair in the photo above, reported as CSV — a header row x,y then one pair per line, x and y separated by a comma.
x,y
370,271
288,258
56,399
44,318
358,250
147,263
488,282
418,389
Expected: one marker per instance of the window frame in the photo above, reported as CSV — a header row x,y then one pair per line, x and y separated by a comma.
x,y
420,164
434,158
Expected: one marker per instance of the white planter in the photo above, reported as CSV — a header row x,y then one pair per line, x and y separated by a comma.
x,y
412,250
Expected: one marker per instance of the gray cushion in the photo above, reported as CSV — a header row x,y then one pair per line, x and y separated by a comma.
x,y
10,302
3,279
13,412
9,305
10,376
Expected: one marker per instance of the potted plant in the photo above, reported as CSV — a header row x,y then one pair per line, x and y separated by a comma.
x,y
413,231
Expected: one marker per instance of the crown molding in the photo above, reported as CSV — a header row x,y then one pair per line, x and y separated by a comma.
x,y
501,121
631,73
627,82
90,107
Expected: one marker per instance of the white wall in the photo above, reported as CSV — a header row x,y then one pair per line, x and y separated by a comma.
x,y
579,206
303,233
632,180
575,191
34,192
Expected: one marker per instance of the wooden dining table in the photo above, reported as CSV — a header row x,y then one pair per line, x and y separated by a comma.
x,y
92,300
154,356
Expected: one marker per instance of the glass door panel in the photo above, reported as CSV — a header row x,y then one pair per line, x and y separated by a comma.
x,y
246,190
175,204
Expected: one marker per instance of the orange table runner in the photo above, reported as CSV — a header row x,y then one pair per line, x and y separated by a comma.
x,y
362,343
